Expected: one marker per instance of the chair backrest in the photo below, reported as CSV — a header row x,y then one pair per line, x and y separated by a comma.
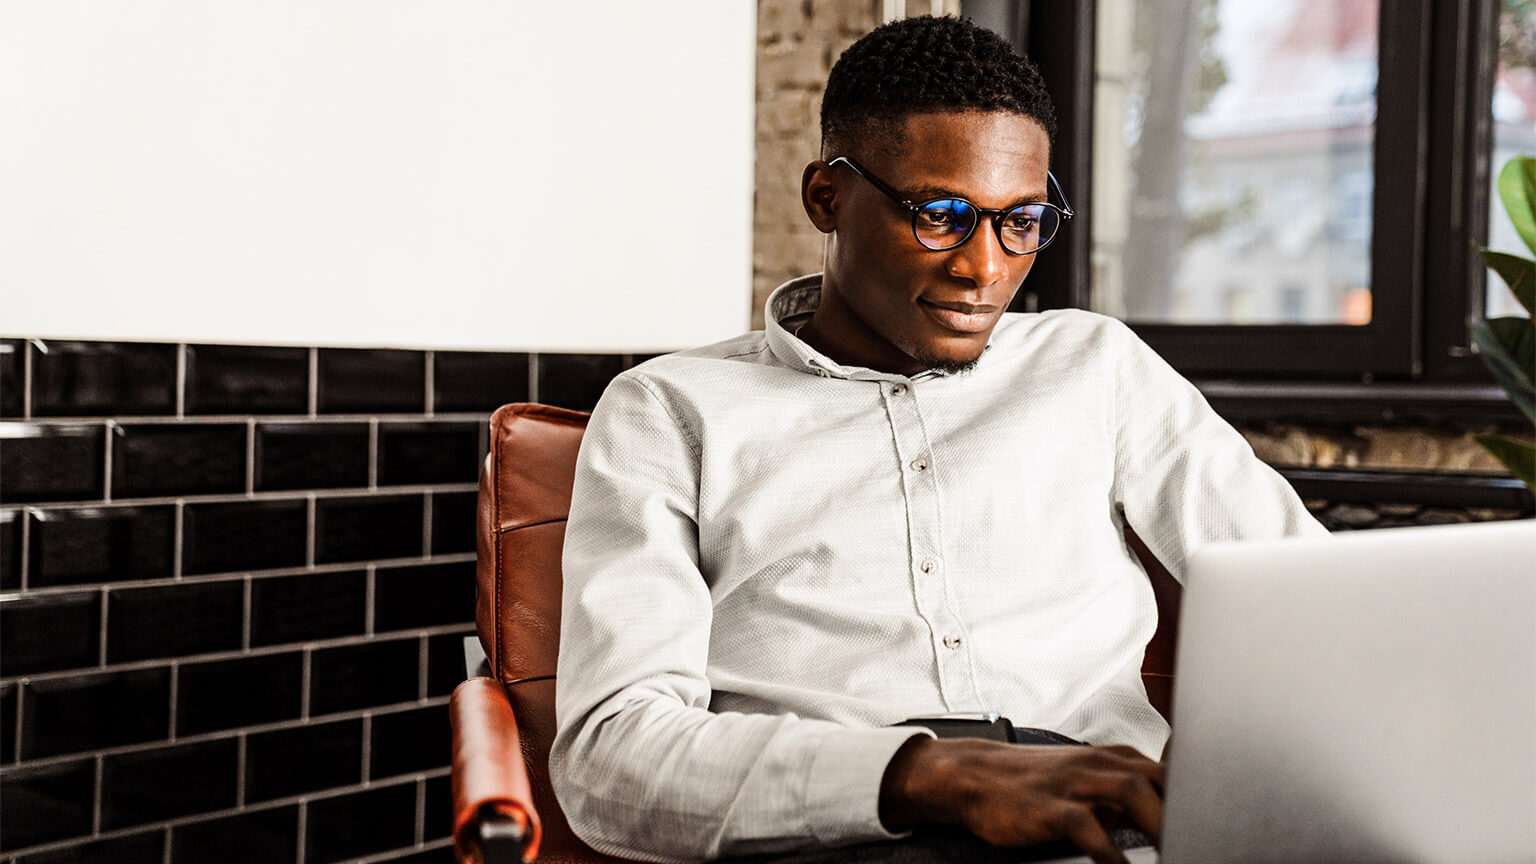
x,y
525,497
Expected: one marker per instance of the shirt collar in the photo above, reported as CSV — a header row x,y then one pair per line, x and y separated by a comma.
x,y
788,308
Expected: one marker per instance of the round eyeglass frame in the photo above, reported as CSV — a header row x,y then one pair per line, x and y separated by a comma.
x,y
993,216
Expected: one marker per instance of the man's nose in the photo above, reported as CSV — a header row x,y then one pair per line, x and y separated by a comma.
x,y
982,258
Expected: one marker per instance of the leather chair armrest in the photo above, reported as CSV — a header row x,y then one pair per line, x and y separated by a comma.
x,y
492,802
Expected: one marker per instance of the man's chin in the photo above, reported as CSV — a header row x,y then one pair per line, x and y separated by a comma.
x,y
949,365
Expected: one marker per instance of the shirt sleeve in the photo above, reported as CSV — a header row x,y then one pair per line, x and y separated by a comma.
x,y
1184,476
641,766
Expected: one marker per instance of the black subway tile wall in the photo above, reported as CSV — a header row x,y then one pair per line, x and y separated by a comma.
x,y
167,782
304,607
235,584
286,762
576,380
159,459
229,379
223,694
8,722
102,544
12,401
174,620
412,453
52,462
92,712
359,381
372,527
222,537
108,379
12,523
352,826
49,632
350,677
147,847
478,382
311,455
268,836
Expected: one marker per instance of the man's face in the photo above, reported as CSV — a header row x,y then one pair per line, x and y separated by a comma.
x,y
890,304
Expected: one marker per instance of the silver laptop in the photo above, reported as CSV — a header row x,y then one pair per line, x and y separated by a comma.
x,y
1366,697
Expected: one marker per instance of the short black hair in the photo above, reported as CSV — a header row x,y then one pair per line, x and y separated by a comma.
x,y
927,65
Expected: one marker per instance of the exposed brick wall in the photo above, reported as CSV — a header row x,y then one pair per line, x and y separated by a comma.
x,y
234,588
797,43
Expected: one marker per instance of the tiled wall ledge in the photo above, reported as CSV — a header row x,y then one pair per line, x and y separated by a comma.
x,y
234,587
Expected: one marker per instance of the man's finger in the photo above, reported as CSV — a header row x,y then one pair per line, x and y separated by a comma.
x,y
1138,799
1080,826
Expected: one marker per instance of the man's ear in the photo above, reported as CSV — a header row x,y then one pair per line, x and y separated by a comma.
x,y
818,194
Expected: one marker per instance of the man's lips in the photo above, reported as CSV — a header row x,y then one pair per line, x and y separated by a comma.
x,y
961,317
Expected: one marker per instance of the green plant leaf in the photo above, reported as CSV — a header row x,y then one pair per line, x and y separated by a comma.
x,y
1517,189
1519,274
1508,349
1518,456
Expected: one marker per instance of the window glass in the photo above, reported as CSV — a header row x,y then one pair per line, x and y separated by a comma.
x,y
1238,190
1514,133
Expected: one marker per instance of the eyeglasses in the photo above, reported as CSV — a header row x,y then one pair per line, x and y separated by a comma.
x,y
945,223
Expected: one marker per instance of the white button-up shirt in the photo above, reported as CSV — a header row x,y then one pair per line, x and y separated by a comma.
x,y
772,557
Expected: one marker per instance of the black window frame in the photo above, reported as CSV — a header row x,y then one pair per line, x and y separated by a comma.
x,y
1413,362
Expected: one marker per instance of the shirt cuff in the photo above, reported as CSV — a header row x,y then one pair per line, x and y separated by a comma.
x,y
842,798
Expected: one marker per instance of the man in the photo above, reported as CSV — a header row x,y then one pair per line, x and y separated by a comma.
x,y
896,502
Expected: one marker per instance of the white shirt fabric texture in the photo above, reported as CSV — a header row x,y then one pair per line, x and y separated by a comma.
x,y
771,558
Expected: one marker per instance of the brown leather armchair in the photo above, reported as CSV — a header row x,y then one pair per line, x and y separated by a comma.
x,y
503,725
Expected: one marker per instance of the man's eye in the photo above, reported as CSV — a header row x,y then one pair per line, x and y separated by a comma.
x,y
1021,222
936,217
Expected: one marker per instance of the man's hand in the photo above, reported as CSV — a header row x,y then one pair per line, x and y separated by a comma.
x,y
1015,795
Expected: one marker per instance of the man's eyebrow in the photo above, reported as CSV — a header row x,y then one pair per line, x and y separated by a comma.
x,y
928,193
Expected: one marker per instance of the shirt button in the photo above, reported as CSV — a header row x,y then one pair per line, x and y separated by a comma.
x,y
898,389
919,464
928,565
951,642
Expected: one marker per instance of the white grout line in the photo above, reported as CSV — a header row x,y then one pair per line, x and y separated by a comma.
x,y
166,859
106,460
223,734
336,567
373,453
26,379
250,456
368,595
431,388
241,497
24,517
276,804
245,617
311,532
421,670
314,381
426,524
465,628
421,810
397,854
101,762
175,694
533,377
367,749
178,538
21,698
240,771
226,419
106,601
303,829
181,379
306,675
